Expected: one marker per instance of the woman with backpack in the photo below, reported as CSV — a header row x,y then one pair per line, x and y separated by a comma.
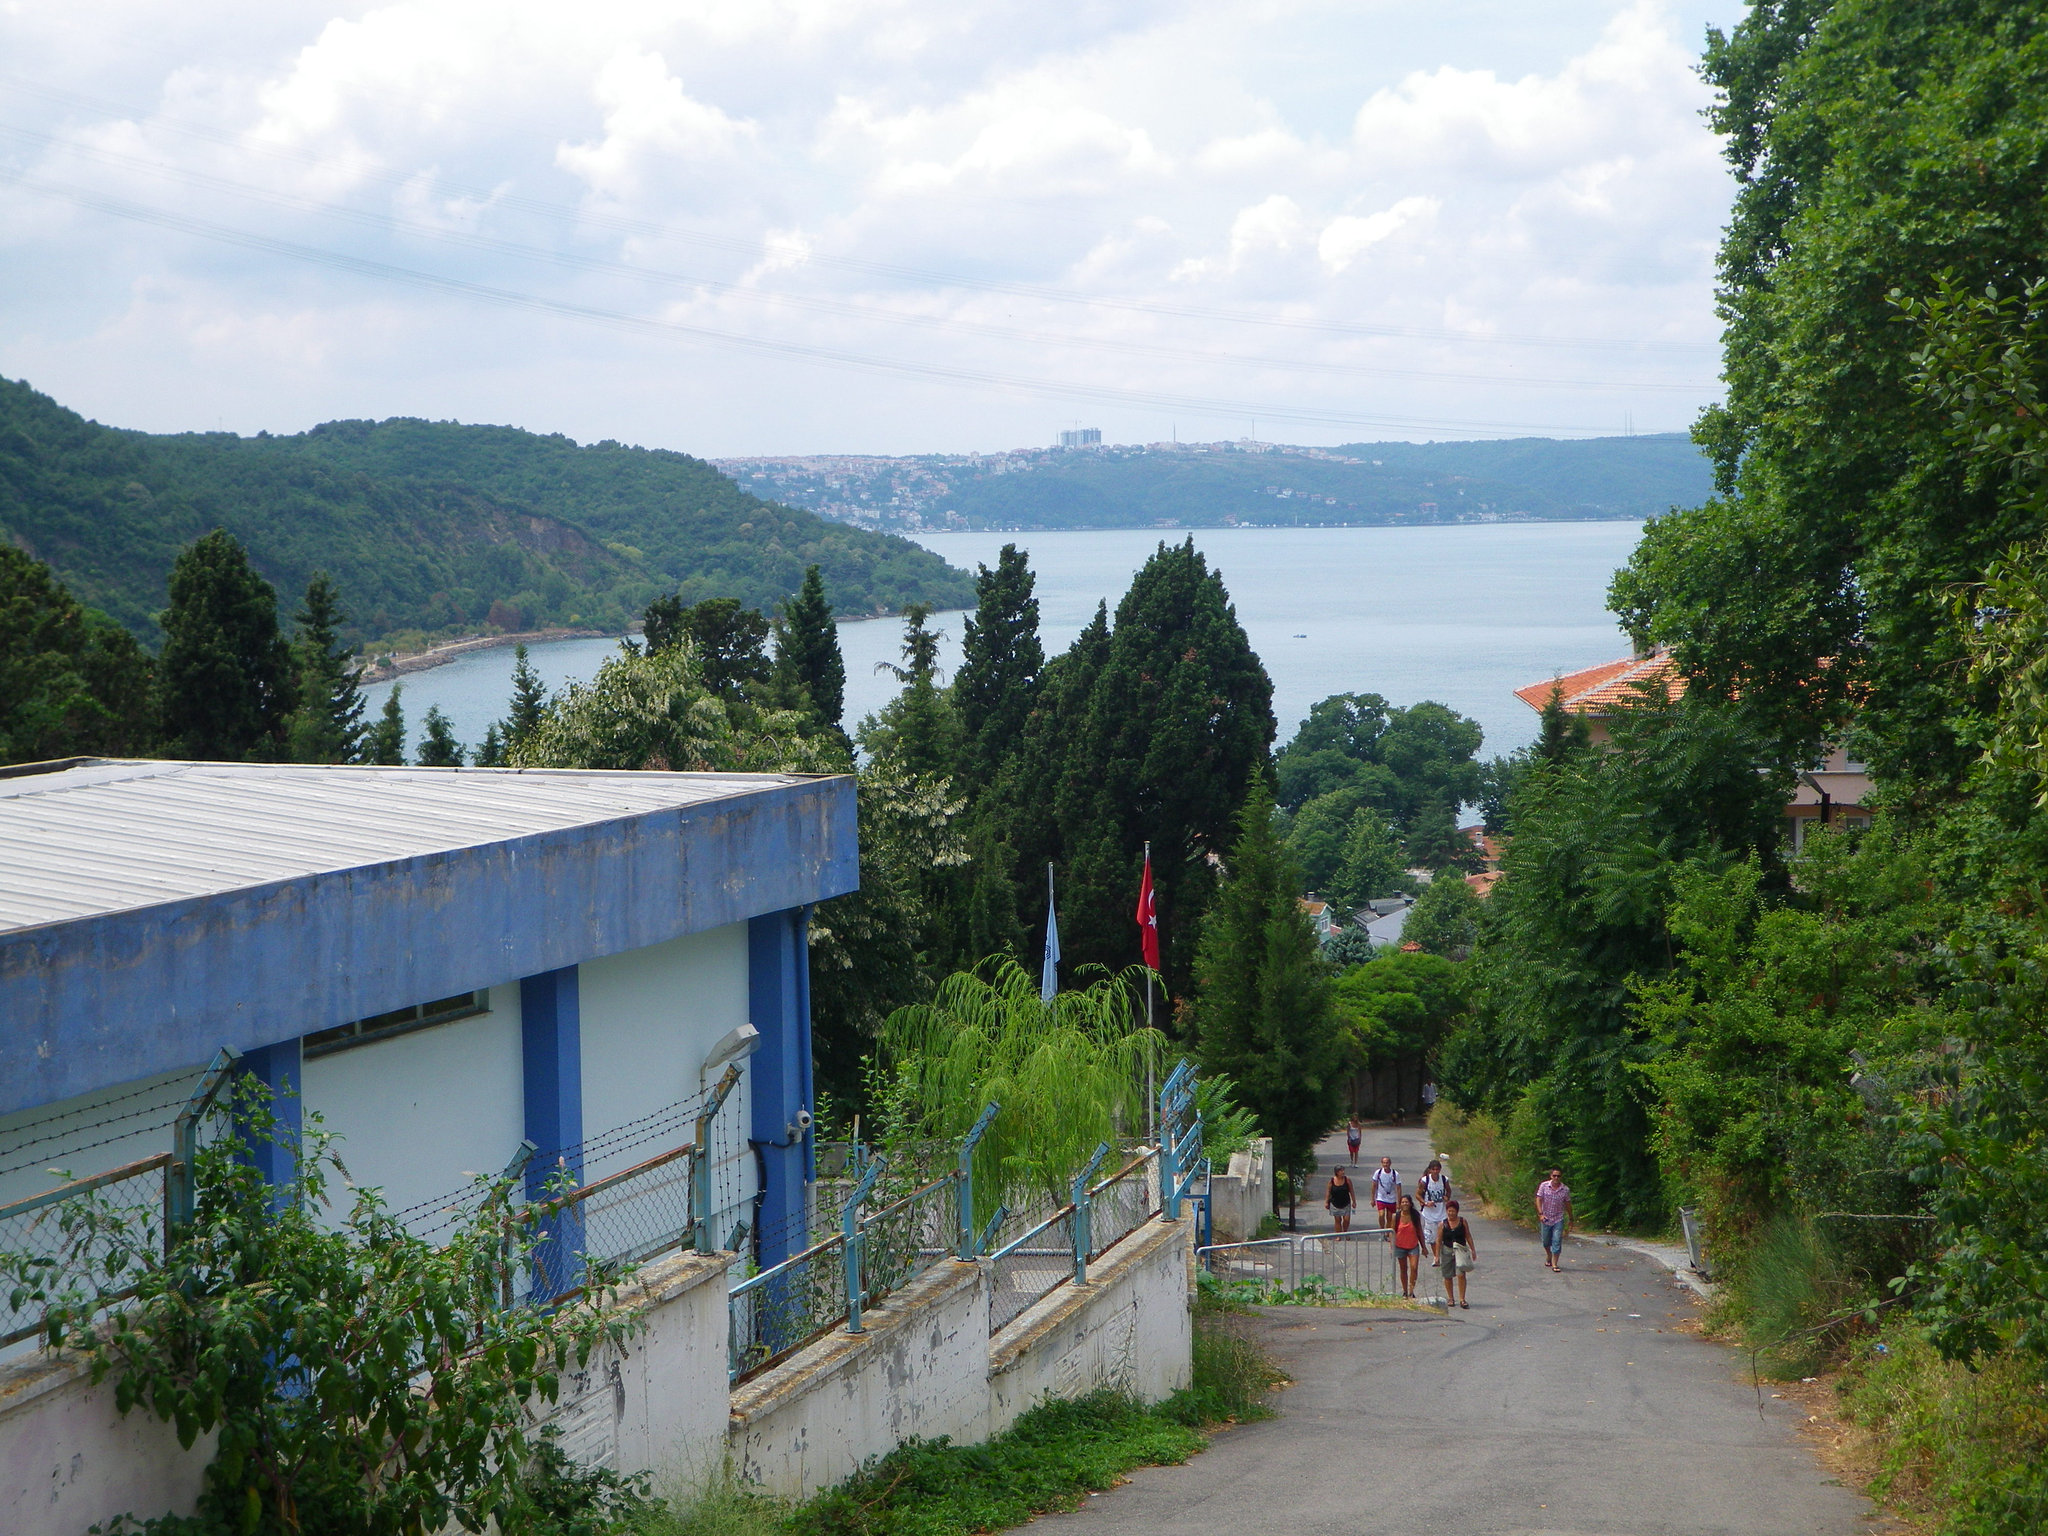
x,y
1457,1256
1407,1241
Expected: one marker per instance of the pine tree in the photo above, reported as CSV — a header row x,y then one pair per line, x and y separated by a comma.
x,y
1372,862
529,701
661,626
70,683
1000,666
225,677
327,724
490,752
384,743
1562,734
1263,1013
809,671
438,746
916,733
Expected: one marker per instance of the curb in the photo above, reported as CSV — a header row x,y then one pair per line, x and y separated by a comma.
x,y
1670,1255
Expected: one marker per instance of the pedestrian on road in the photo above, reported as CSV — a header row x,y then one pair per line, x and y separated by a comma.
x,y
1353,1134
1457,1255
1435,1191
1554,1212
1337,1201
1386,1189
1408,1243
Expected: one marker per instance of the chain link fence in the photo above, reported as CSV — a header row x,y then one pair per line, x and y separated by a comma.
x,y
784,1308
1029,1266
99,1227
903,1238
1122,1203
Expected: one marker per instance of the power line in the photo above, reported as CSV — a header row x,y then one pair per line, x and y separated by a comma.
x,y
751,249
411,276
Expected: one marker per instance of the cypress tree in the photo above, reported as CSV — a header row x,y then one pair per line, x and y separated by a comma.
x,y
384,744
809,671
225,676
327,724
438,746
918,732
1179,719
1562,735
529,700
490,752
1263,1013
70,683
1000,666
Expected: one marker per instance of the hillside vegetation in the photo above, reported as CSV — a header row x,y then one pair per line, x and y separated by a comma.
x,y
428,528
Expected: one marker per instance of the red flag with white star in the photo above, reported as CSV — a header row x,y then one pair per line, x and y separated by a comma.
x,y
1148,917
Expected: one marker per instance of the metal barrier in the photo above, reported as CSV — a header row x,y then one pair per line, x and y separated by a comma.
x,y
784,1308
104,1238
1356,1263
1121,1203
907,1235
1029,1266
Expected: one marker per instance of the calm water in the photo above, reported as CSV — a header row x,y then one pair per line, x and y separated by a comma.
x,y
1463,615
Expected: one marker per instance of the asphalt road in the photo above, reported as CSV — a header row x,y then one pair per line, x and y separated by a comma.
x,y
1559,1405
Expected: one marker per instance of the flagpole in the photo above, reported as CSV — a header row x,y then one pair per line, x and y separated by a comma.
x,y
1151,1108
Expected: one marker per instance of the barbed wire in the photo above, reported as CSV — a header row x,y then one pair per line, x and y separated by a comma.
x,y
69,1148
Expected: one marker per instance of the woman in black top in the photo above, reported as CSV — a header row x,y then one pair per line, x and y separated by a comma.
x,y
1338,1200
1455,1254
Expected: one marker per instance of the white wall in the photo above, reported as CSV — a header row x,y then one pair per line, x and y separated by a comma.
x,y
91,1133
419,1114
650,1016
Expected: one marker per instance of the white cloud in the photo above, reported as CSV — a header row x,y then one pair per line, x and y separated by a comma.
x,y
648,115
1345,238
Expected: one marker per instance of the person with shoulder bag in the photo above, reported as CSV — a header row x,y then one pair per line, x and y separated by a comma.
x,y
1457,1255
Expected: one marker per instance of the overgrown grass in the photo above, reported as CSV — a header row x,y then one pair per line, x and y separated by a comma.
x,y
1791,1298
1967,1449
1050,1459
1481,1162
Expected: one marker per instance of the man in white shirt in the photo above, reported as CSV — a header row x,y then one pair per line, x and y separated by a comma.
x,y
1386,1191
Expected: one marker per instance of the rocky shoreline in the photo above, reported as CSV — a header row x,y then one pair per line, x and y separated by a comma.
x,y
434,656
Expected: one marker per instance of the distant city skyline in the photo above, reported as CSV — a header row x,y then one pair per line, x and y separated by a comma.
x,y
875,227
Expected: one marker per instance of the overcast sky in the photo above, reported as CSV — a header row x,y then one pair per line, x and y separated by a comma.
x,y
864,226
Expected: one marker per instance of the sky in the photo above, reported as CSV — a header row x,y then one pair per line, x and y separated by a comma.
x,y
739,227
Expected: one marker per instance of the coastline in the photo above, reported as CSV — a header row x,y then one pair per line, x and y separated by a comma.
x,y
434,656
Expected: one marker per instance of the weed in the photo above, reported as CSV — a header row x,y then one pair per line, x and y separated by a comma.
x,y
1232,1374
1793,1298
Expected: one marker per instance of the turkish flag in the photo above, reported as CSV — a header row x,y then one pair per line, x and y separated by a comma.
x,y
1148,918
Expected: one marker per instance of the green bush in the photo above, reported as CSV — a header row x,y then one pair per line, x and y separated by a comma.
x,y
1232,1374
1794,1299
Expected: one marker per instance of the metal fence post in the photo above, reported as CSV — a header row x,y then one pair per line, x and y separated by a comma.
x,y
1084,1205
181,1196
967,1244
702,1238
850,1222
1173,1096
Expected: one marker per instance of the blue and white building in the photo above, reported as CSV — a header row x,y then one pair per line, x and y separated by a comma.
x,y
443,964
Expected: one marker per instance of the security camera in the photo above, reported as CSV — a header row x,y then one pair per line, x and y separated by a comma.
x,y
803,1119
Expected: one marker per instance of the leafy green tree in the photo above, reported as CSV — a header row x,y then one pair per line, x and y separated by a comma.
x,y
529,700
69,684
1435,843
1444,919
438,746
1001,660
384,744
1397,1010
1373,863
661,622
326,724
225,677
807,656
1878,149
1264,1015
355,1378
490,752
730,643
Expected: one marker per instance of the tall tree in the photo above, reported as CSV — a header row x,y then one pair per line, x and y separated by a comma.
x,y
384,743
438,746
326,724
807,654
1000,665
730,641
225,676
1263,1014
529,700
918,732
69,683
1179,719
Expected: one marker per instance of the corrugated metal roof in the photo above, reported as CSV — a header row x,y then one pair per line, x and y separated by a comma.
x,y
113,836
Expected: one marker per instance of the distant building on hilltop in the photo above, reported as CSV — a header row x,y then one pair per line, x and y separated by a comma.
x,y
1082,437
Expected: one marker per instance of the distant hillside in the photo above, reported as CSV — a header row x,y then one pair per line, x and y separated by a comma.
x,y
430,528
1207,484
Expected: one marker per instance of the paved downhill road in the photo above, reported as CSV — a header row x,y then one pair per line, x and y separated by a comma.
x,y
1545,1410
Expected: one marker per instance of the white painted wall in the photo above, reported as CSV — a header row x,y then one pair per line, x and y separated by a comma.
x,y
91,1133
650,1016
418,1115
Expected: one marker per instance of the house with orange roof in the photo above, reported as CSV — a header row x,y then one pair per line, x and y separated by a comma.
x,y
1836,793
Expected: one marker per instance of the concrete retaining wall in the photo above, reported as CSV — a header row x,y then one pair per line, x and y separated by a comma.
x,y
1242,1198
926,1365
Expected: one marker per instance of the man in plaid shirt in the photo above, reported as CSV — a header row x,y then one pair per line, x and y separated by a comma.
x,y
1554,1212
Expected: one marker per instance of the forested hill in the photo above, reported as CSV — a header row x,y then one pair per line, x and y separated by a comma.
x,y
1259,484
429,528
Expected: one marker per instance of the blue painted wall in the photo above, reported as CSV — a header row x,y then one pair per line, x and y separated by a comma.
x,y
551,1062
111,999
274,1150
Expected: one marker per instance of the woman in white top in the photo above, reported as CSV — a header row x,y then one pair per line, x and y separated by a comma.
x,y
1435,1194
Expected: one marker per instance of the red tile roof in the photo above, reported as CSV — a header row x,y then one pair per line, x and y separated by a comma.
x,y
1597,690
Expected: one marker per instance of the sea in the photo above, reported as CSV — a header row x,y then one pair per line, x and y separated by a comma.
x,y
1463,614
